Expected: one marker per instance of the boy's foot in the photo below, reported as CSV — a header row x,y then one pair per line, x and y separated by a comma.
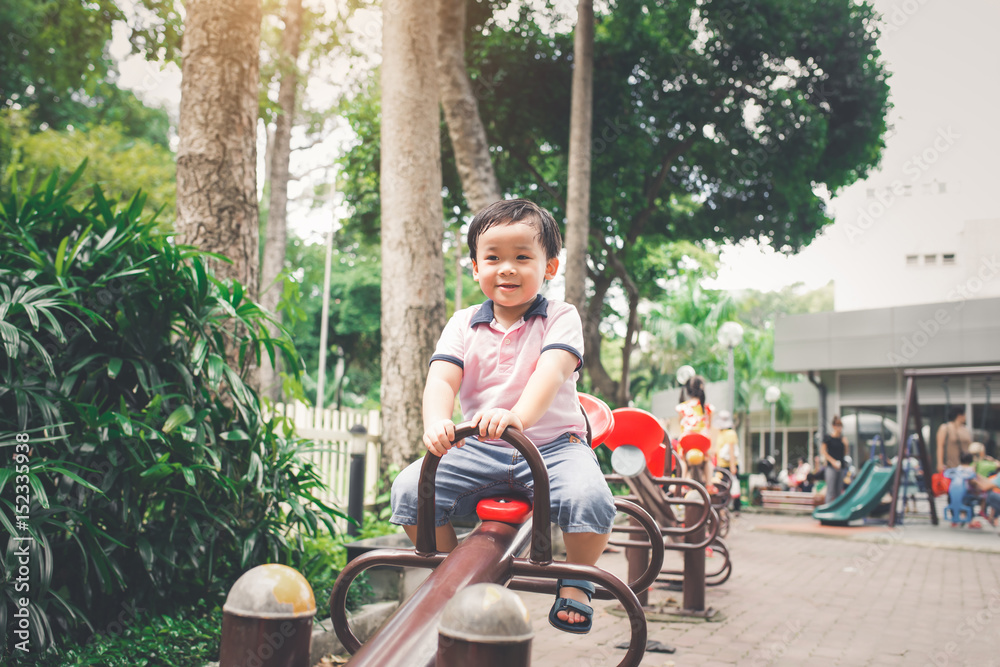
x,y
570,612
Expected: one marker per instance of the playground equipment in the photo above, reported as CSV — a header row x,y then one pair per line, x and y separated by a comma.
x,y
488,555
640,459
860,498
911,409
959,510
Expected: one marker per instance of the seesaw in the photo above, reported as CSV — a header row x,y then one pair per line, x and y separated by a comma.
x,y
490,554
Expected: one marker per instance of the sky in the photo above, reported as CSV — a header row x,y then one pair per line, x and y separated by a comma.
x,y
944,67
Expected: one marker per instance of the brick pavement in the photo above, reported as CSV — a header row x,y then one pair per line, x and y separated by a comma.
x,y
917,595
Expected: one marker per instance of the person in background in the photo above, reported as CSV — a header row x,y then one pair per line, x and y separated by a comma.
x,y
800,475
728,453
953,439
832,453
984,465
696,419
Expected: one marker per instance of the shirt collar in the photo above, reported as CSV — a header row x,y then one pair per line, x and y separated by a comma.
x,y
539,308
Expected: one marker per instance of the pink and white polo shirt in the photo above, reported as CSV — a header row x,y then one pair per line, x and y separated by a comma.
x,y
496,364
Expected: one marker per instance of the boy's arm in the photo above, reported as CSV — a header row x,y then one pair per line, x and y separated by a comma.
x,y
554,367
443,381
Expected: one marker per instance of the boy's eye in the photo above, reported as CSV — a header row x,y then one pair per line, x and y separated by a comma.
x,y
491,258
523,257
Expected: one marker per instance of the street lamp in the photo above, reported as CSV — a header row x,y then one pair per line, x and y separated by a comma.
x,y
771,395
730,335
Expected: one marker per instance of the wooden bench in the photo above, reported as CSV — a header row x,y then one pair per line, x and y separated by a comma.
x,y
796,501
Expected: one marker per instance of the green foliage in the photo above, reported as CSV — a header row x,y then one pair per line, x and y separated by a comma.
x,y
52,53
354,317
713,120
185,639
683,328
118,161
155,478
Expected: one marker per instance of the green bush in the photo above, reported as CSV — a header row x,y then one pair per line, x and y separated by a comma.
x,y
154,478
187,639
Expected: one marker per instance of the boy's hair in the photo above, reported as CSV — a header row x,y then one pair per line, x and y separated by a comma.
x,y
965,458
509,211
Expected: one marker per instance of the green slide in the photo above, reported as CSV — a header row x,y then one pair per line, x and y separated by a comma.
x,y
860,498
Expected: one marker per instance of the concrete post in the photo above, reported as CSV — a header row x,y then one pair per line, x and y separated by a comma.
x,y
485,625
267,620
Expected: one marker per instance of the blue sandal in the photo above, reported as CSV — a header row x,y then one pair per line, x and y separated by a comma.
x,y
566,604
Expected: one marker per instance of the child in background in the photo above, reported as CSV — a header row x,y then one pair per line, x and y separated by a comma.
x,y
696,419
513,361
984,465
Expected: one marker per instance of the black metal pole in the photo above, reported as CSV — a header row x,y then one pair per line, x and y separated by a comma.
x,y
356,479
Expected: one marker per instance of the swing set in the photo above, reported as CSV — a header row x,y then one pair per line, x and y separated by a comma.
x,y
911,409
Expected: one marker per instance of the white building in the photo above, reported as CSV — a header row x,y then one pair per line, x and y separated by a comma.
x,y
915,249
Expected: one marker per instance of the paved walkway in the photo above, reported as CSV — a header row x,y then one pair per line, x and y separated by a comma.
x,y
803,594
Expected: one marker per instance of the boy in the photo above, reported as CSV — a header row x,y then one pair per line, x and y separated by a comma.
x,y
513,361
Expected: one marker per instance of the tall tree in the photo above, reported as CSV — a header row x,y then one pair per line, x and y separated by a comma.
x,y
217,151
711,123
412,220
280,153
581,120
461,110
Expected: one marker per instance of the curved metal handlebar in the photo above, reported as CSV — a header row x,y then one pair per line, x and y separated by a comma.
x,y
541,537
338,596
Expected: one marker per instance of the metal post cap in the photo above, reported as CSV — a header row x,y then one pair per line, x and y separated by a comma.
x,y
486,613
271,591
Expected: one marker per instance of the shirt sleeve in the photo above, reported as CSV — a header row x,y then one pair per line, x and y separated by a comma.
x,y
564,331
451,344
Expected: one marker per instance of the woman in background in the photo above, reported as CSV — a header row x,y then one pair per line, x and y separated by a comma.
x,y
832,453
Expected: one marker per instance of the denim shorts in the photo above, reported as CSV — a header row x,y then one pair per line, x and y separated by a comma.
x,y
580,498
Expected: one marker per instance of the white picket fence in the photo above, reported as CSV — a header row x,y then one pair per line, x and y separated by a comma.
x,y
329,431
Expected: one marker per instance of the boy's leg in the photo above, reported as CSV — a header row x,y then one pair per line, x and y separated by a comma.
x,y
446,538
582,505
585,549
464,475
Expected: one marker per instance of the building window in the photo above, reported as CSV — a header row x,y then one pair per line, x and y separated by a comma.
x,y
948,258
907,190
912,260
942,188
930,259
871,193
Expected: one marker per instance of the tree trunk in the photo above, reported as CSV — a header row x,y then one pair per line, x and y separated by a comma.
x,y
217,151
276,234
624,394
459,254
578,182
600,380
412,221
461,110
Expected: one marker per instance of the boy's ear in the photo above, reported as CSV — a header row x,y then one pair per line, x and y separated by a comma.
x,y
551,266
475,271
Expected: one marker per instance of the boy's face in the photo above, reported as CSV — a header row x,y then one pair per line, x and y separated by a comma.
x,y
511,267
